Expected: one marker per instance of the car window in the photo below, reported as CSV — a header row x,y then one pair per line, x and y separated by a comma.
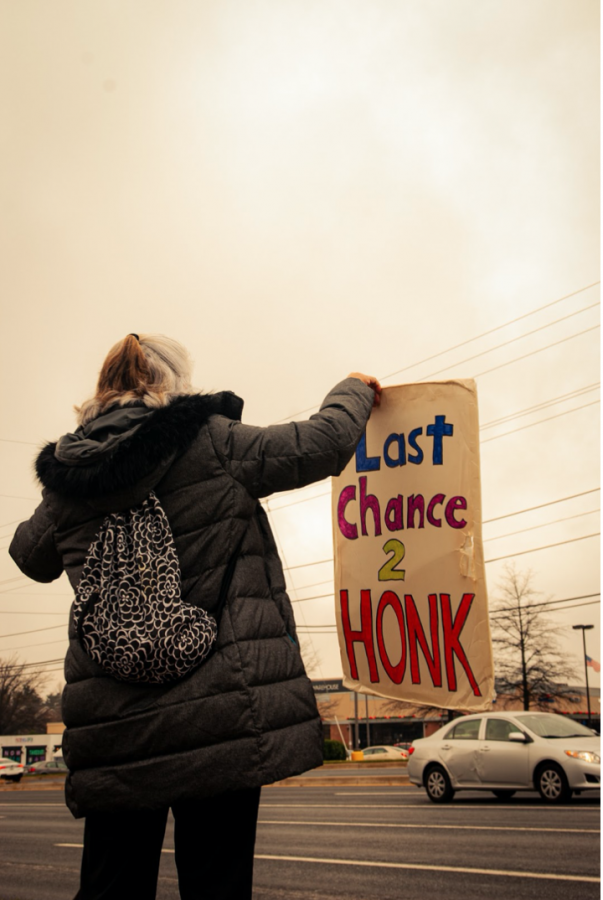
x,y
467,731
499,729
553,726
369,752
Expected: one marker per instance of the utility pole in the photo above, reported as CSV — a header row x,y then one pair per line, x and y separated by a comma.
x,y
585,628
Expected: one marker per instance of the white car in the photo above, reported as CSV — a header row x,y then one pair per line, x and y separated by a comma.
x,y
10,770
507,752
384,752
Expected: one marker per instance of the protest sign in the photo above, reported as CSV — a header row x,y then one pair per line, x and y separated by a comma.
x,y
410,590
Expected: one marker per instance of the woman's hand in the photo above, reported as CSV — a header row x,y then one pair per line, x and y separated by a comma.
x,y
371,382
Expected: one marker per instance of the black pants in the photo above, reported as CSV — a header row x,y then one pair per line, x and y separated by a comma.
x,y
214,841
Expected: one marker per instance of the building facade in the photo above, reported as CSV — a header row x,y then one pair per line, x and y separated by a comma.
x,y
362,720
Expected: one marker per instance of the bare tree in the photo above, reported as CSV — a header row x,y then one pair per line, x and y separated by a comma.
x,y
529,661
22,709
310,656
402,708
53,706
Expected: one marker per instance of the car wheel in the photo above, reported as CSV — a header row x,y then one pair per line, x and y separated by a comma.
x,y
437,785
504,794
552,784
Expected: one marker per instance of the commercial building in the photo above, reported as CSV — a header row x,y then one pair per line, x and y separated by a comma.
x,y
362,720
33,748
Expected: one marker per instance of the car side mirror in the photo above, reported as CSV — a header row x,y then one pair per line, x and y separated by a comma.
x,y
518,737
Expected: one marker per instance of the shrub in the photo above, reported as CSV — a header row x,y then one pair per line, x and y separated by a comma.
x,y
333,750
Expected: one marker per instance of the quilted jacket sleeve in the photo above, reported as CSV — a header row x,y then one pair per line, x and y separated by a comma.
x,y
284,457
33,548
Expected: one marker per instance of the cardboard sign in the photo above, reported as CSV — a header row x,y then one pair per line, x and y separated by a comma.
x,y
410,589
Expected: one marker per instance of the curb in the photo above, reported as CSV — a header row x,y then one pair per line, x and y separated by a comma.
x,y
35,786
343,781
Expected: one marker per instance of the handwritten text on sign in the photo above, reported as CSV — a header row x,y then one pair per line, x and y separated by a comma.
x,y
412,609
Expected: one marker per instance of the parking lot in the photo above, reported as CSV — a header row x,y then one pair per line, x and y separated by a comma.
x,y
358,843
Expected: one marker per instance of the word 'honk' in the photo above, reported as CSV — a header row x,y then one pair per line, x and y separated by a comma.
x,y
412,637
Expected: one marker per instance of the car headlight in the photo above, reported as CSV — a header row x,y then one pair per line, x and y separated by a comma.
x,y
586,755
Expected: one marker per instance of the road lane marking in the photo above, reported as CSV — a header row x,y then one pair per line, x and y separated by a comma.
x,y
81,846
361,793
465,870
416,825
31,805
451,807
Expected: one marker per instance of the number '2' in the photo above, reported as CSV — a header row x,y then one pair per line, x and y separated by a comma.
x,y
388,571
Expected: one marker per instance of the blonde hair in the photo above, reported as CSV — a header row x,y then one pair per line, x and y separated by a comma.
x,y
151,368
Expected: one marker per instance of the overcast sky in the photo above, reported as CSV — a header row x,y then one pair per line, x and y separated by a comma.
x,y
295,190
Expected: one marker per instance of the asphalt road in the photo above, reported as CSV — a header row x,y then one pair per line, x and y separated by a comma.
x,y
357,843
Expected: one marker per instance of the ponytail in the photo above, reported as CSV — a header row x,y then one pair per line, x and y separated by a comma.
x,y
125,370
150,368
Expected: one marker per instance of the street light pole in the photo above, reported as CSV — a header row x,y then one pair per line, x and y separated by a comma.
x,y
585,628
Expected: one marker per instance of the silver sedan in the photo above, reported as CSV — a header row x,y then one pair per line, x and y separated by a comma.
x,y
507,752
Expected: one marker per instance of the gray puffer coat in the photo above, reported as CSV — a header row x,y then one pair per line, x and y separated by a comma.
x,y
246,717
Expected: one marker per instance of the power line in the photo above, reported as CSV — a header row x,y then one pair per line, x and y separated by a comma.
x,y
331,628
32,646
51,596
534,352
590,603
507,556
32,631
540,422
316,597
510,341
29,443
559,399
314,584
544,603
546,547
492,330
282,555
319,562
558,609
16,578
34,665
20,612
542,525
12,497
541,506
295,502
463,343
301,631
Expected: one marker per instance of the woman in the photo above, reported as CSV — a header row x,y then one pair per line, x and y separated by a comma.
x,y
205,745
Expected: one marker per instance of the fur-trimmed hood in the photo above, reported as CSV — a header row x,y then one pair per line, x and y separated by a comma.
x,y
128,448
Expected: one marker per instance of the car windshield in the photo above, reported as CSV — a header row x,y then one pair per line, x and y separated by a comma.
x,y
554,726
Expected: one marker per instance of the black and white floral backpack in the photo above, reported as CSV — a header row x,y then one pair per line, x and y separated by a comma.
x,y
128,611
